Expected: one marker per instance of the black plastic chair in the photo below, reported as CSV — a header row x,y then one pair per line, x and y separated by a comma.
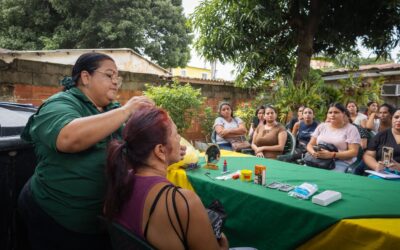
x,y
122,239
354,167
289,148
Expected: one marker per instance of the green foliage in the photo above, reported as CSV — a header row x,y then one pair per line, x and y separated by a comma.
x,y
246,112
265,38
206,122
310,93
181,101
360,91
156,28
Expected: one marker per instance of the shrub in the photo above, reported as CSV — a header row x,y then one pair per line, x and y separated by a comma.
x,y
181,101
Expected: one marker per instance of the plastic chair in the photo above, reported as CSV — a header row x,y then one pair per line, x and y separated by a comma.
x,y
214,136
123,239
289,148
352,168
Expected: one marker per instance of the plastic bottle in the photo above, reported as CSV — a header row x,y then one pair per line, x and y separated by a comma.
x,y
225,167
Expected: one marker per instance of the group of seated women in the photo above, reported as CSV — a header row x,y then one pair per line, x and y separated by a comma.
x,y
345,128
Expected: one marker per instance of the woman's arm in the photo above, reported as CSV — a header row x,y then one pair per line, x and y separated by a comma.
x,y
201,234
282,137
369,124
256,149
351,152
310,146
230,132
363,123
82,133
295,129
369,158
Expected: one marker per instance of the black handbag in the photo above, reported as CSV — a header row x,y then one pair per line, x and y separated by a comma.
x,y
217,215
328,164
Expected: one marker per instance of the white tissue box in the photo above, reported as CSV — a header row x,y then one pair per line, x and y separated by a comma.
x,y
327,197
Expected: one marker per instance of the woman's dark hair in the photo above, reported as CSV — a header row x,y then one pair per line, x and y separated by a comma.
x,y
223,104
371,102
390,108
338,106
355,104
146,128
86,62
271,107
256,121
347,113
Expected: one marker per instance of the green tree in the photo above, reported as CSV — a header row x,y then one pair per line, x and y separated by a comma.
x,y
265,37
181,101
155,28
206,121
359,90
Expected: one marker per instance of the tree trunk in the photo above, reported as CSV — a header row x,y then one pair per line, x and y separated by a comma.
x,y
306,33
305,51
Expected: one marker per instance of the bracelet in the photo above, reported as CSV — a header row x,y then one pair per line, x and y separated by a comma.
x,y
334,155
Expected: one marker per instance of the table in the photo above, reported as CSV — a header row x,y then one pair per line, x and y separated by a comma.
x,y
270,219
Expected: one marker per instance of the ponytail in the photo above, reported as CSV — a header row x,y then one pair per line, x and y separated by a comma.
x,y
118,179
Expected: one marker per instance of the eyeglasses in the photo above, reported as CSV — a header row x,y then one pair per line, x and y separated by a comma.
x,y
113,77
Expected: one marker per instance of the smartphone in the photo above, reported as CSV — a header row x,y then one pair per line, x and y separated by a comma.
x,y
285,188
387,155
316,148
274,185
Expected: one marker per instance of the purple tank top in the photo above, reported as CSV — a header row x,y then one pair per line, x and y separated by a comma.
x,y
131,215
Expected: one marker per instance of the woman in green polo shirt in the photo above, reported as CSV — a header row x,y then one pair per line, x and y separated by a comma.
x,y
70,131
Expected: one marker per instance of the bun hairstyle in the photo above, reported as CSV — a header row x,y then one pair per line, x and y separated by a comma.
x,y
86,62
146,129
223,104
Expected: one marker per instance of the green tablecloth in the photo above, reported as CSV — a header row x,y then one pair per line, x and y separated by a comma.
x,y
270,219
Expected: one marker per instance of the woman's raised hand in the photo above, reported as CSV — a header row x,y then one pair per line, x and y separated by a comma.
x,y
136,103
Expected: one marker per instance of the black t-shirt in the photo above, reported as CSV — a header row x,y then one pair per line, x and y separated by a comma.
x,y
384,138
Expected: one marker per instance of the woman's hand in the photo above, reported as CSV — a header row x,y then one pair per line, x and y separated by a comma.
x,y
182,151
260,154
323,154
136,103
394,165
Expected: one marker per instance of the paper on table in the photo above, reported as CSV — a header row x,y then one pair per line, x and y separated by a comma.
x,y
384,175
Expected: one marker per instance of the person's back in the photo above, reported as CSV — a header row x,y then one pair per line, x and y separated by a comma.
x,y
141,198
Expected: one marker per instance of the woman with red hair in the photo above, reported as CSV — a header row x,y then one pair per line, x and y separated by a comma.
x,y
139,196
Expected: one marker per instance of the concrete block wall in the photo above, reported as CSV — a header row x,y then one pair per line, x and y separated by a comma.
x,y
32,82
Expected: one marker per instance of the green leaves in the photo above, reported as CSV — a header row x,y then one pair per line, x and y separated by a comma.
x,y
181,101
265,38
156,28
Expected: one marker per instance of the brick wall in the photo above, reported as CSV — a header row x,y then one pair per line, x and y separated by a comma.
x,y
32,82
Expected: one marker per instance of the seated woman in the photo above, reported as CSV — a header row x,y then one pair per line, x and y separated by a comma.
x,y
269,139
362,131
296,118
139,196
339,133
227,126
390,138
257,120
303,129
357,118
386,112
373,121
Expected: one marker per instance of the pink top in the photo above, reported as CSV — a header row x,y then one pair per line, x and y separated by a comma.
x,y
340,137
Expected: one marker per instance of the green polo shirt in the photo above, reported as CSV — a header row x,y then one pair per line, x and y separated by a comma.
x,y
70,187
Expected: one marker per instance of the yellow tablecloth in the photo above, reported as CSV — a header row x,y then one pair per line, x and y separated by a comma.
x,y
377,233
178,175
358,234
